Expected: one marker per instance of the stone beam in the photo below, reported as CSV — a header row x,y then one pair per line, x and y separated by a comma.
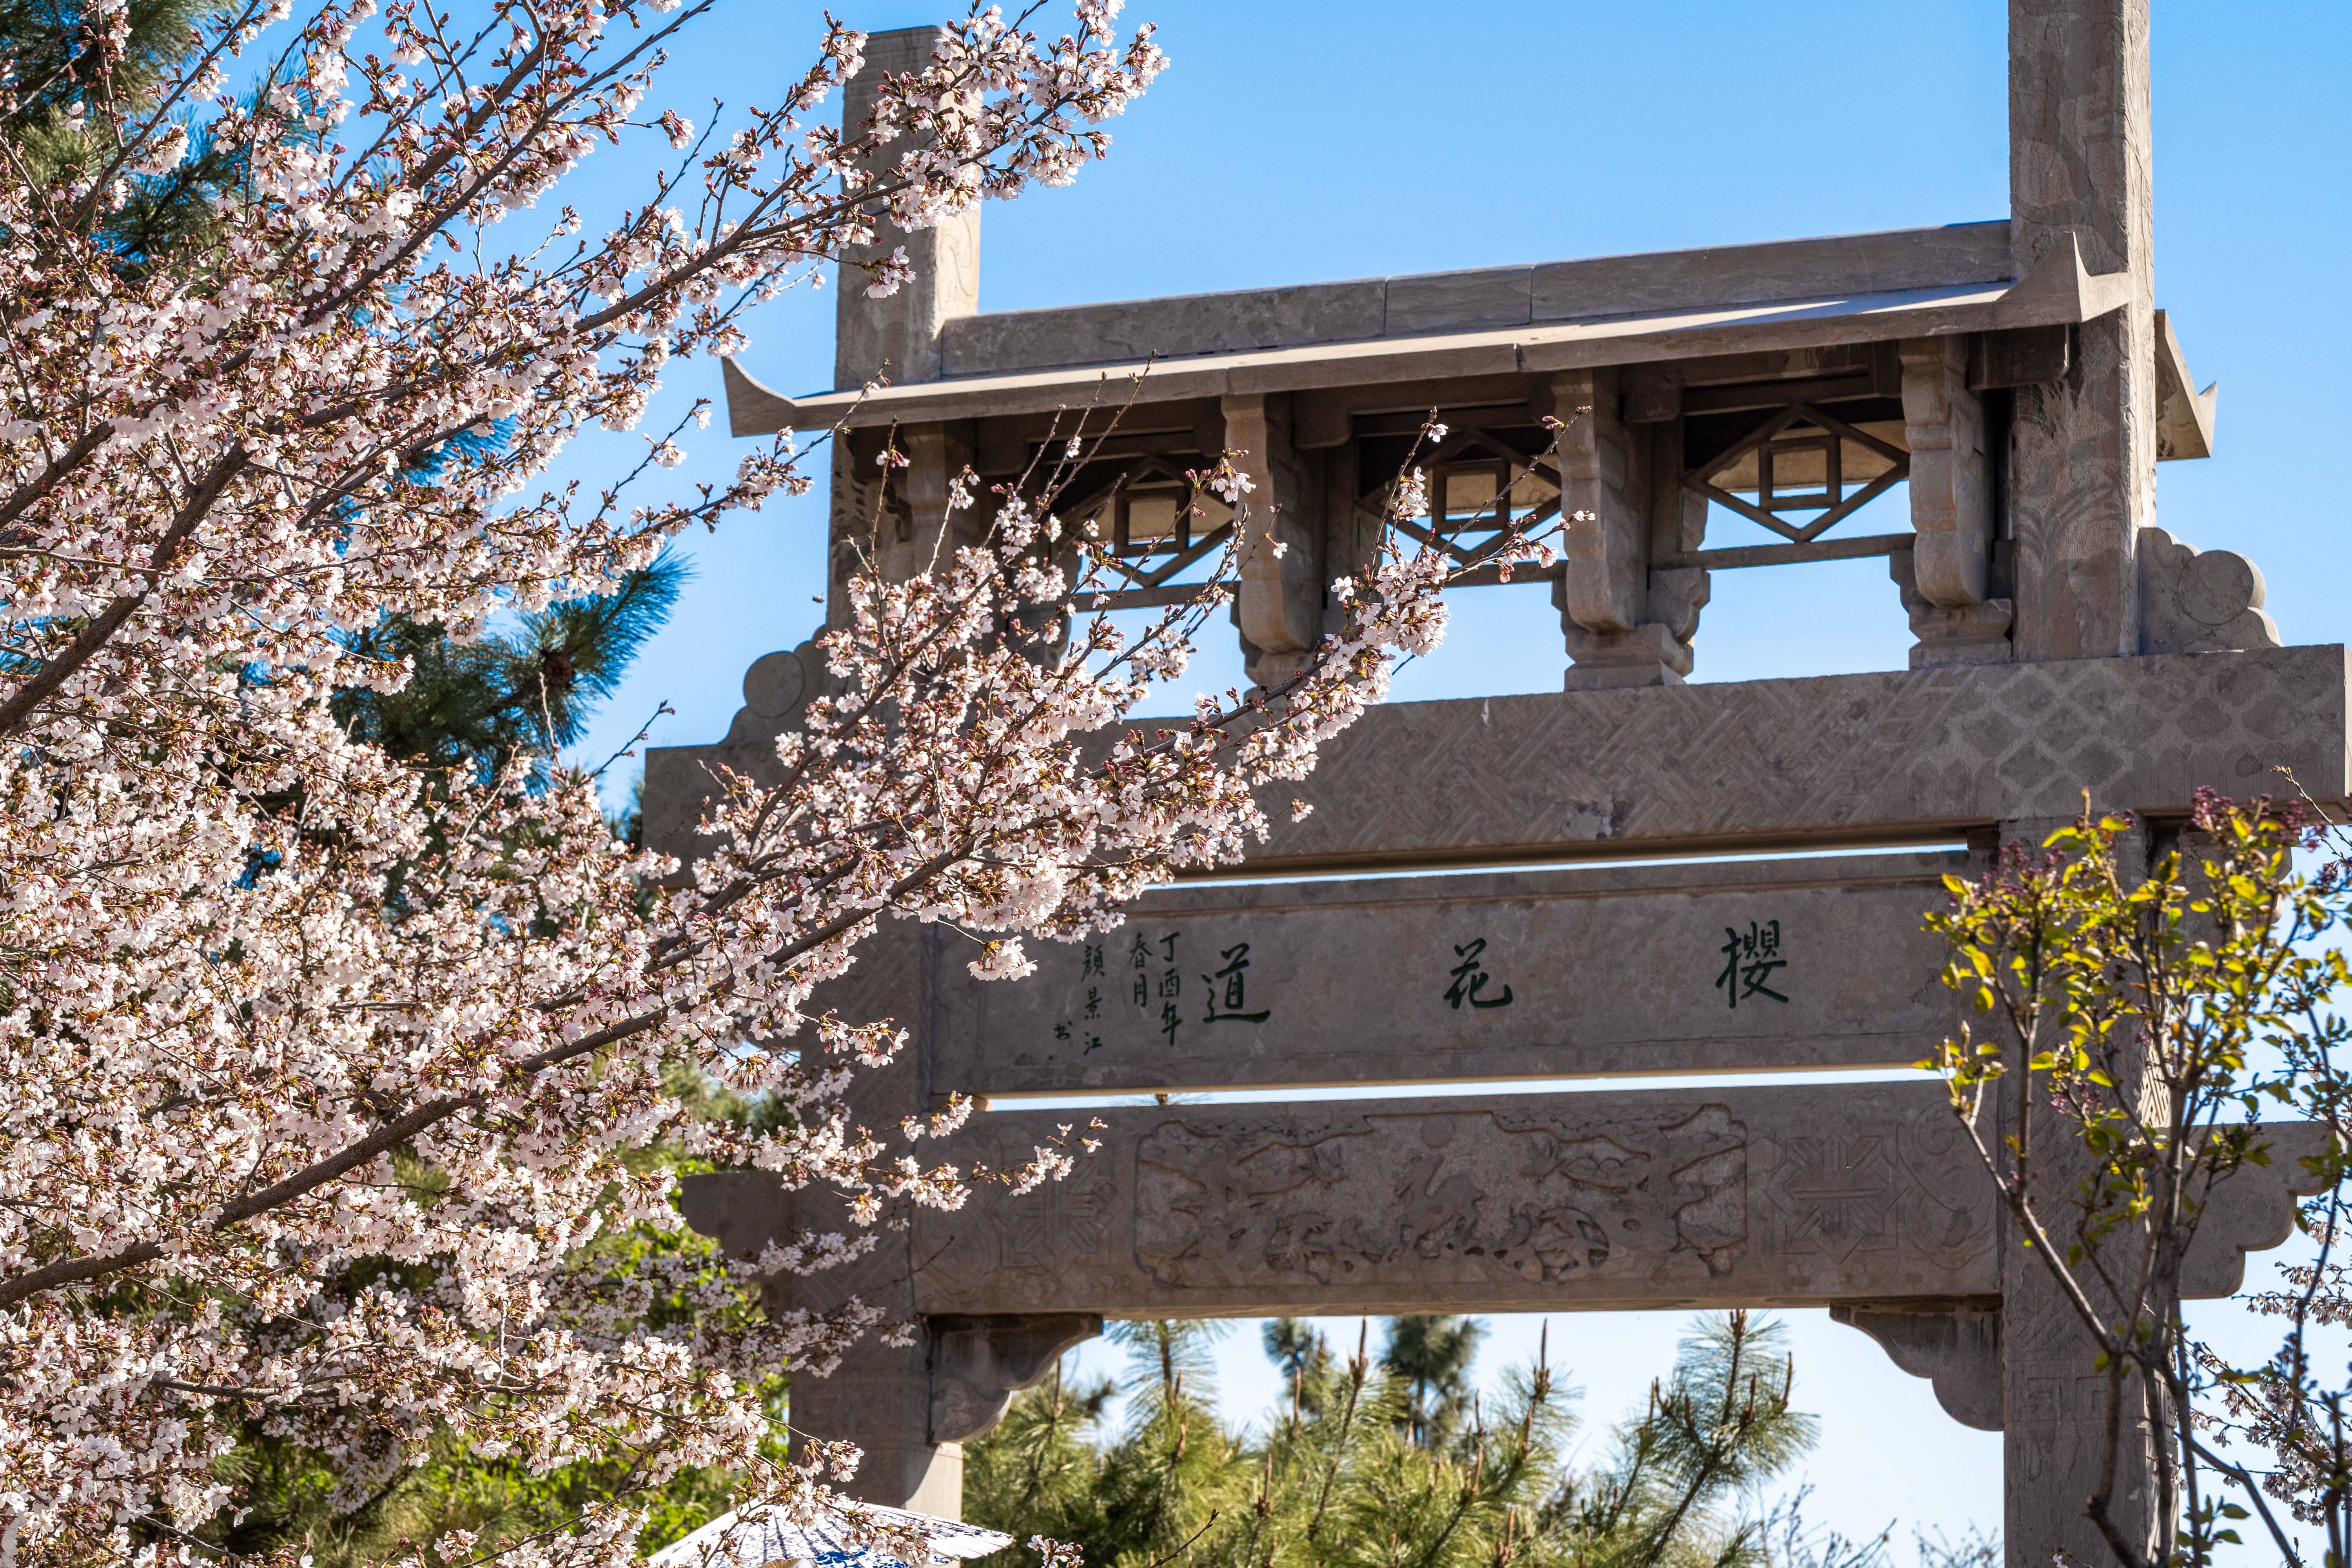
x,y
1774,963
1851,758
1878,758
1721,1196
1305,314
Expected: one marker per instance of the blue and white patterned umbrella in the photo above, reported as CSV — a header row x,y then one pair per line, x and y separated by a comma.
x,y
732,1542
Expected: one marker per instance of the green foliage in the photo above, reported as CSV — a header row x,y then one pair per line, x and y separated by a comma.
x,y
1433,1354
526,693
2143,1000
1340,1481
50,49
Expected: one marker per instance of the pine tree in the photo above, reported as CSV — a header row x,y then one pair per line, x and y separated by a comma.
x,y
1433,1354
1339,1481
529,692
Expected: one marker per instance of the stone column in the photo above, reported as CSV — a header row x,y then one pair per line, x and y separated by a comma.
x,y
896,338
1278,604
2052,1394
899,336
879,1396
1622,506
2083,448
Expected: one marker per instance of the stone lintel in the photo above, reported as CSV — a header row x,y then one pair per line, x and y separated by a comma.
x,y
1888,757
1854,759
1526,974
1793,1196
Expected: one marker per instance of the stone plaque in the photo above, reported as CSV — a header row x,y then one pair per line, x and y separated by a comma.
x,y
1761,963
1750,1196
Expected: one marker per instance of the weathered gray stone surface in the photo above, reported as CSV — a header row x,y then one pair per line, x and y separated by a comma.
x,y
2194,601
1761,1196
1296,317
897,336
978,1364
1769,764
1762,762
2083,457
1524,975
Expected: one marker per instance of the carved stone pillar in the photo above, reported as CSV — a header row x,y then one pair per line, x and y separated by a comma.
x,y
1623,507
897,336
1953,616
1279,603
2081,477
879,1396
2052,1394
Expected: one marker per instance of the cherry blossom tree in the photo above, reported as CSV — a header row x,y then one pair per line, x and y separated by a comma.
x,y
321,1073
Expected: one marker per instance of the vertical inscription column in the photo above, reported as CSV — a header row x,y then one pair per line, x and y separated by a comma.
x,y
2052,1395
2083,454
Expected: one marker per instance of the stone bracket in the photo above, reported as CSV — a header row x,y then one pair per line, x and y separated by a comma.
x,y
978,1364
1605,559
1278,604
1951,478
1956,1345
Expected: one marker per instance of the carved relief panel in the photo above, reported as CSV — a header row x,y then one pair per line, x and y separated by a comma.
x,y
1748,1195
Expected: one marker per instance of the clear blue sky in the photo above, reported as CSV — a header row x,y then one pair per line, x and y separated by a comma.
x,y
1294,142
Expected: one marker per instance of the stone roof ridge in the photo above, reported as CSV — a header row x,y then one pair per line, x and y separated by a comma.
x,y
1406,305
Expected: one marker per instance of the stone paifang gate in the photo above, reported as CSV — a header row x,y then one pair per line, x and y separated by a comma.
x,y
2015,373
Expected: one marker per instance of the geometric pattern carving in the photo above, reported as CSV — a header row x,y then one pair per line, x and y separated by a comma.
x,y
1851,755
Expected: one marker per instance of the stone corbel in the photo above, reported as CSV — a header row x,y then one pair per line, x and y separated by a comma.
x,y
935,455
1622,505
2193,600
1278,604
1955,1345
1605,556
1944,576
978,1364
2252,1209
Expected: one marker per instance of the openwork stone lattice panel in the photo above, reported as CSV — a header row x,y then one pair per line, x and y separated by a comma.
x,y
1757,1196
1597,970
1785,762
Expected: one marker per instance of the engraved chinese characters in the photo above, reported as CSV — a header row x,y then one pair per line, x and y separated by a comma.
x,y
1737,1195
1783,964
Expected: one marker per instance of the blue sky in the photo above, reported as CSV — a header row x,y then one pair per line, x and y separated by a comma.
x,y
1294,142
